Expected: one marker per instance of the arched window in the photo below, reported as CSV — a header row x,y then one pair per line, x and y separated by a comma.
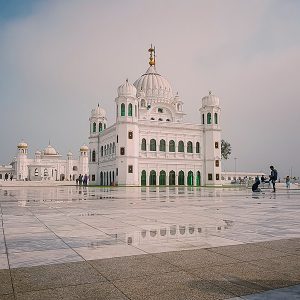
x,y
104,126
100,127
143,178
189,147
114,148
122,110
216,118
171,146
180,146
104,178
198,179
143,146
135,110
94,156
152,178
110,148
181,178
162,145
129,110
197,147
143,103
162,178
152,145
94,127
172,178
101,150
208,118
101,178
203,117
190,179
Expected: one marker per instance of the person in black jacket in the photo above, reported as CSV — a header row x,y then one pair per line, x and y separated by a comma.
x,y
273,177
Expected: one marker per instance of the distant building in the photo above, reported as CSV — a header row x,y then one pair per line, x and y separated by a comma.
x,y
230,177
149,143
46,165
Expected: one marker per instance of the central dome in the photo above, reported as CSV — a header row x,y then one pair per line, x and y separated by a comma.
x,y
49,150
154,86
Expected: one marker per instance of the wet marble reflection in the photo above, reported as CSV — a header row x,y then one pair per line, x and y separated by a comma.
x,y
62,224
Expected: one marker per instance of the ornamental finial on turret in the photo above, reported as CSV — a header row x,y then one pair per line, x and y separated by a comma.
x,y
209,92
152,56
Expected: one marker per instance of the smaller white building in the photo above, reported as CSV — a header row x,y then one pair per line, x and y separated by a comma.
x,y
47,164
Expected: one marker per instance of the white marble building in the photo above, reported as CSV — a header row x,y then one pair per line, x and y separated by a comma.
x,y
46,165
149,143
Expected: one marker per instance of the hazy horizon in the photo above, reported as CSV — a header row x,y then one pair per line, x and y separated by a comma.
x,y
58,59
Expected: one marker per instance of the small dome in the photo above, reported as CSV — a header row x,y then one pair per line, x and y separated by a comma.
x,y
127,89
98,112
37,152
69,153
22,145
84,147
49,150
210,100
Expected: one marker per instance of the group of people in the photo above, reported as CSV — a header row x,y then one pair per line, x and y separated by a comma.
x,y
82,180
6,176
272,179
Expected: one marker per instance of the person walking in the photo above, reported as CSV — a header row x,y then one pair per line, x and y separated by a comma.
x,y
288,182
85,180
80,179
273,177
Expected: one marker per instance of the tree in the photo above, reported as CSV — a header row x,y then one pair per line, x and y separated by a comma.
x,y
225,149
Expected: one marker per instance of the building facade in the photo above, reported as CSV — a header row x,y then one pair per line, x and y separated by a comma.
x,y
46,165
149,143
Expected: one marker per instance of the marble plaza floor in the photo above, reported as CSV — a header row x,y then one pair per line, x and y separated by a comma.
x,y
148,243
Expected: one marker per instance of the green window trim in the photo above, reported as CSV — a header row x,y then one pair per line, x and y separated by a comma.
x,y
129,110
144,178
162,145
171,146
189,147
197,147
123,112
181,178
152,145
143,145
216,118
208,118
190,178
180,146
162,178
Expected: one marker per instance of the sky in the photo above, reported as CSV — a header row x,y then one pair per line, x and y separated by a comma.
x,y
60,58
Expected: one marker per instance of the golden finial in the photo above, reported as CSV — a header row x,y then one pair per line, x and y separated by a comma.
x,y
209,92
152,56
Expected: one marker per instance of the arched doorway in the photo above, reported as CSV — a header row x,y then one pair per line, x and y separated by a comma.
x,y
198,179
152,178
143,178
181,178
190,178
172,178
162,177
101,178
104,179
